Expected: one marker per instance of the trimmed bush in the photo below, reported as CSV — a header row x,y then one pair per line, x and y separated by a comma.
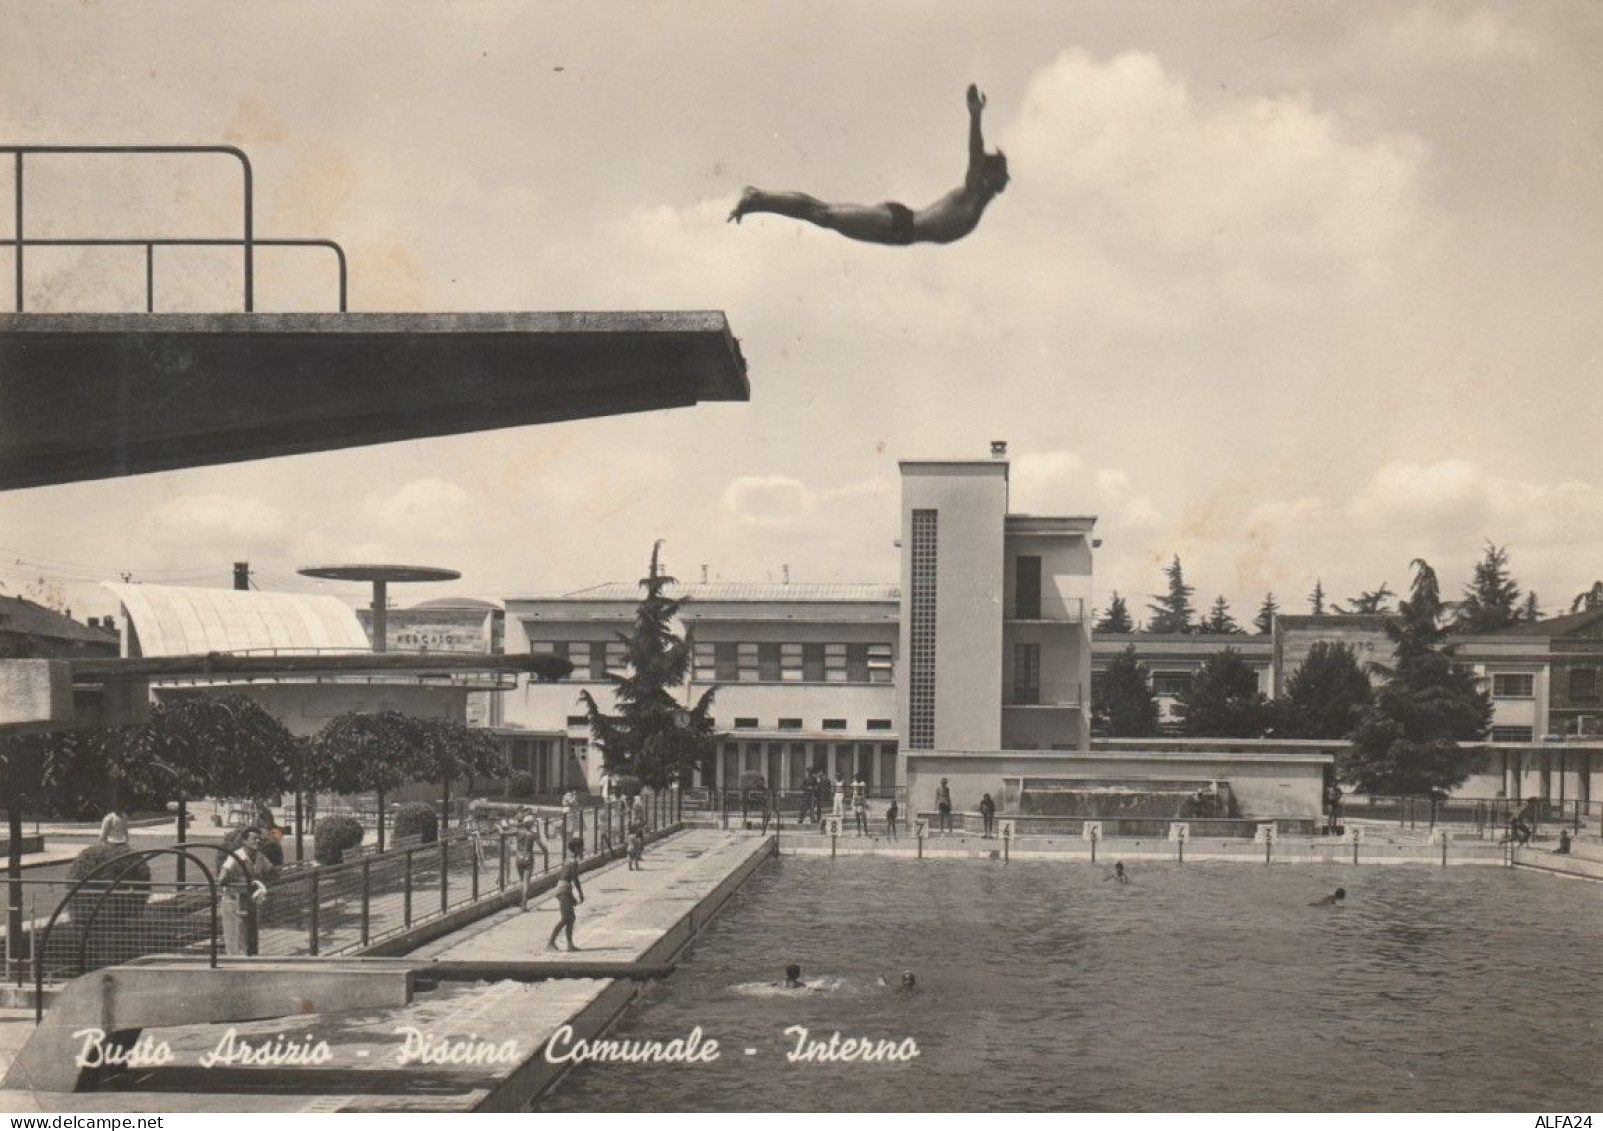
x,y
416,821
333,836
117,905
626,785
521,786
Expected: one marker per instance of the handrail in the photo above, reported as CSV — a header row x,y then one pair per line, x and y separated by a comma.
x,y
249,241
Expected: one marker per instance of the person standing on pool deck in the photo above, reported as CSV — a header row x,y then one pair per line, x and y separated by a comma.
x,y
943,805
570,893
988,815
891,815
860,804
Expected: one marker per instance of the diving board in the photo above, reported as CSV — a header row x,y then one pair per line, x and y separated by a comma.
x,y
94,396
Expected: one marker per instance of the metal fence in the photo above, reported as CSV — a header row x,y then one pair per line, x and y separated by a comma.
x,y
1488,815
309,909
759,808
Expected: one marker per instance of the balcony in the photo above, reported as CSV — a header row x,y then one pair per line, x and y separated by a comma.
x,y
1045,697
1070,611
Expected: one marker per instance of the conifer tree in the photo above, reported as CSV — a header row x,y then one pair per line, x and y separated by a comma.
x,y
653,736
1371,602
1492,598
1325,697
1173,611
1122,702
1117,617
1316,599
1264,622
1223,700
1219,620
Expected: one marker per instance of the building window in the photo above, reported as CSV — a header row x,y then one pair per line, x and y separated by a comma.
x,y
1026,673
728,662
1512,734
617,657
749,666
879,663
834,724
790,663
1583,685
578,720
790,724
1171,683
879,724
1027,588
1513,685
706,661
921,631
768,660
835,664
745,724
812,663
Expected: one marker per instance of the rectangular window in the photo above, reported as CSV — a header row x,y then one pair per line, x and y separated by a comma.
x,y
1512,734
857,663
1513,685
731,763
1026,673
879,663
768,663
1027,588
835,664
617,656
790,662
790,724
812,663
834,724
1583,685
745,724
706,661
921,630
750,667
578,720
728,662
879,724
1171,683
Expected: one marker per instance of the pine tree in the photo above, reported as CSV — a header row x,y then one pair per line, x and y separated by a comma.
x,y
1407,739
1371,602
1325,697
1532,612
1588,599
1173,611
1219,620
1117,618
1492,598
1223,700
1316,599
1122,703
1264,622
653,736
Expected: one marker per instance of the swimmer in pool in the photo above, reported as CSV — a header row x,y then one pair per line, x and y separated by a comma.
x,y
1331,900
908,981
793,977
1118,873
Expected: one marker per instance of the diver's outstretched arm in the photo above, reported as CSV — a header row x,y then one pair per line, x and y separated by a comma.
x,y
976,142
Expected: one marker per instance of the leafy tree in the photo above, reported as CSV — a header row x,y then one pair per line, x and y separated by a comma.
x,y
1219,620
1316,599
1325,697
1122,703
653,736
1264,622
370,753
449,751
1117,618
1407,738
1492,598
1223,700
1173,611
30,765
1588,599
1371,602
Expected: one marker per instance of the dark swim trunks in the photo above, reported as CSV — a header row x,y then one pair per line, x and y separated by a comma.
x,y
901,223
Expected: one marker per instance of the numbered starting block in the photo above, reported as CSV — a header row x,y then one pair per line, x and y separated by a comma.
x,y
1179,830
1264,835
1091,830
1439,836
1352,834
832,826
921,829
1007,830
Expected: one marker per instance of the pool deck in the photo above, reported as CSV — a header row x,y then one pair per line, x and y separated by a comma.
x,y
628,918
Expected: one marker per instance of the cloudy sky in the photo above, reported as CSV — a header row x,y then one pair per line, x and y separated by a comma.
x,y
1291,291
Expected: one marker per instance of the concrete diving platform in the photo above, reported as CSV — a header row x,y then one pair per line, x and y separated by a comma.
x,y
461,1024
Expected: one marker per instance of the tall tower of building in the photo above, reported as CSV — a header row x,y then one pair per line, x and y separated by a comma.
x,y
995,643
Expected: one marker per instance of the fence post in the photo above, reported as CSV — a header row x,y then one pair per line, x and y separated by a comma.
x,y
1180,850
723,807
367,899
1444,848
1268,848
609,822
501,870
406,919
312,929
473,866
1355,851
445,874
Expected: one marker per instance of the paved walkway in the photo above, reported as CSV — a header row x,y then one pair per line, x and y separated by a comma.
x,y
627,917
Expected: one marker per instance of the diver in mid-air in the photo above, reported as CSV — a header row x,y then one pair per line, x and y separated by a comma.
x,y
950,218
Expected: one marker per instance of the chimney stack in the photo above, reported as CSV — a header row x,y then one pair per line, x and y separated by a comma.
x,y
786,569
704,573
998,449
241,575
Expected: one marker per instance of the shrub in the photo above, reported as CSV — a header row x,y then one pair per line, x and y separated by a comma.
x,y
116,905
333,835
416,821
626,785
521,786
752,780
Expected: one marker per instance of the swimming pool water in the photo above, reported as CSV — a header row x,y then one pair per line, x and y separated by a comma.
x,y
1046,986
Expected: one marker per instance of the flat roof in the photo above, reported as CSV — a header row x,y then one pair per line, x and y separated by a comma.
x,y
93,396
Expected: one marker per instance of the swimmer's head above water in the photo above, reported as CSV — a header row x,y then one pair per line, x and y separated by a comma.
x,y
793,976
908,981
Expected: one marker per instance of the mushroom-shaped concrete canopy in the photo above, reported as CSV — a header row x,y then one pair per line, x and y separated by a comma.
x,y
380,576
